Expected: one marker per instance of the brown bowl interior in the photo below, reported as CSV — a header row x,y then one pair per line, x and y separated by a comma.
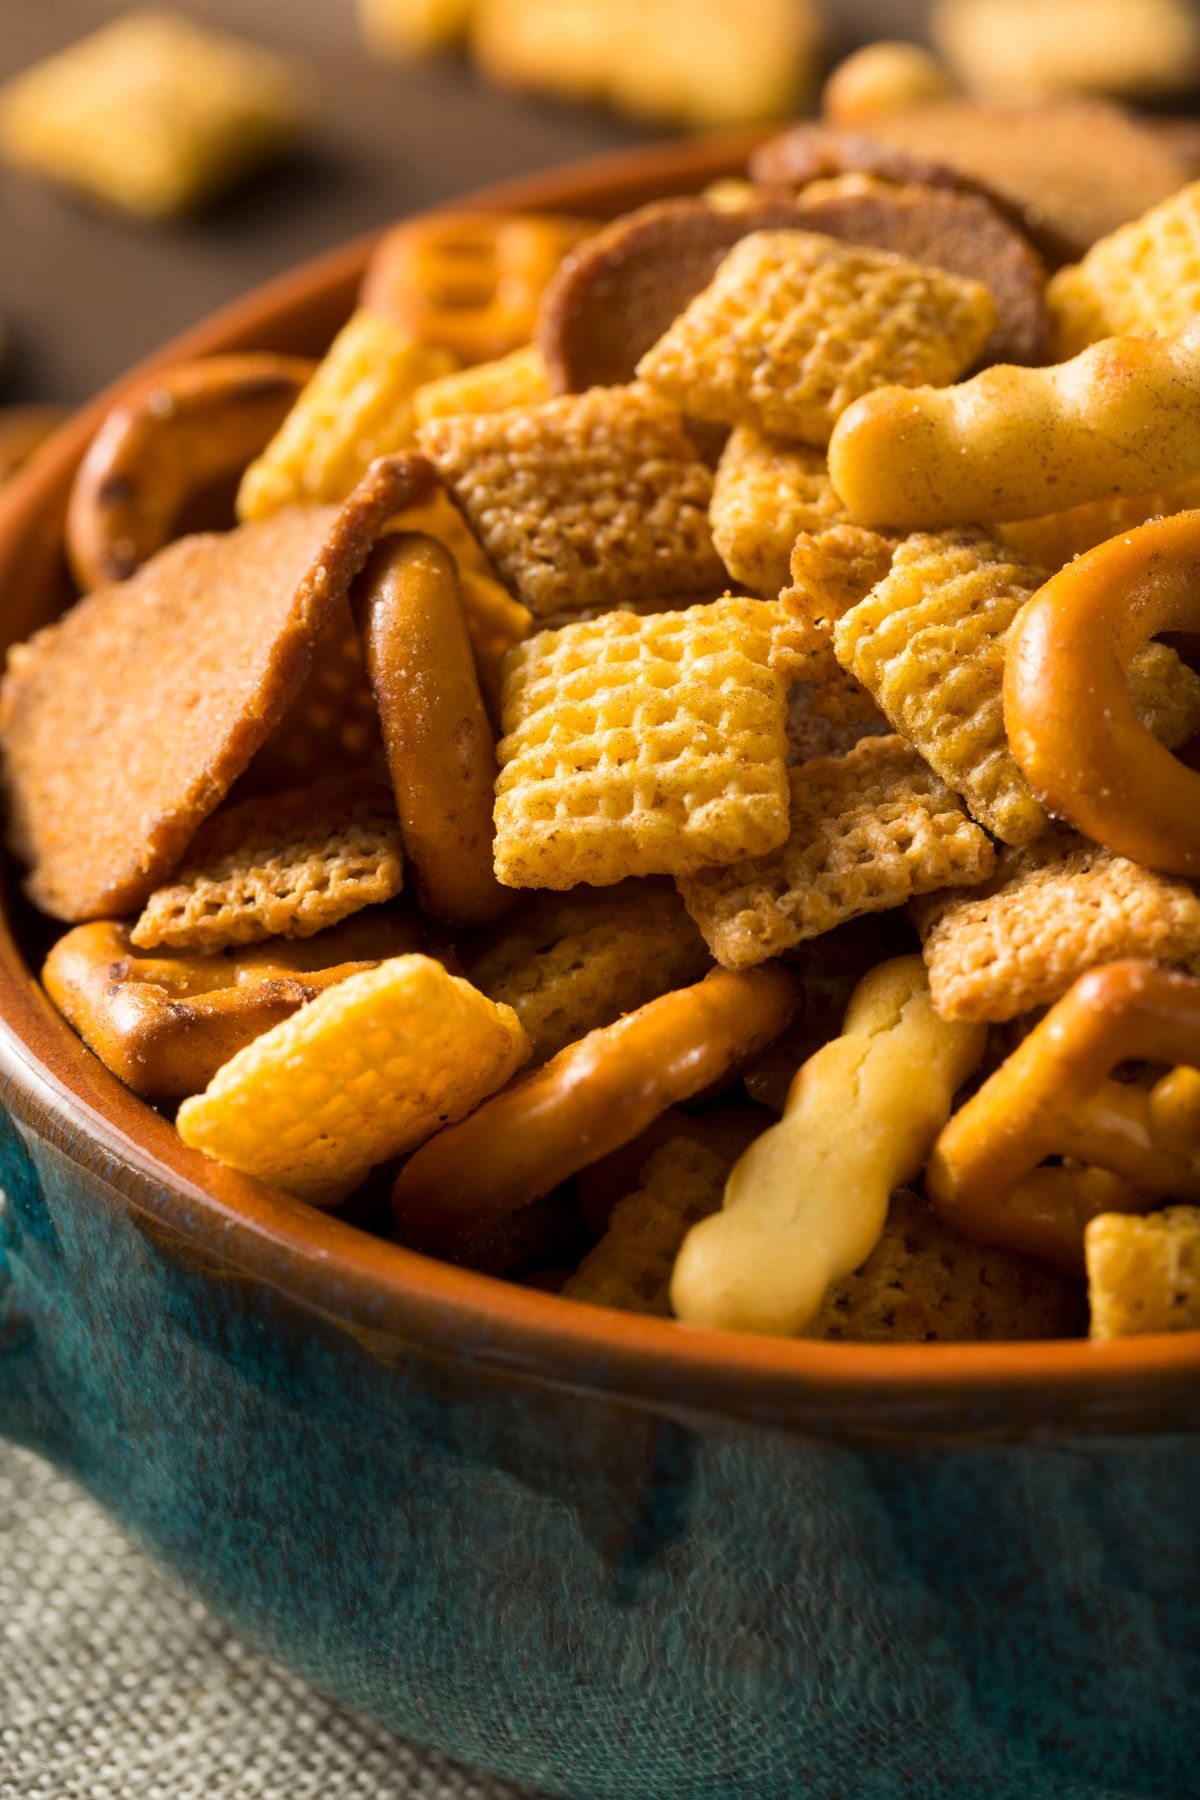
x,y
1138,1384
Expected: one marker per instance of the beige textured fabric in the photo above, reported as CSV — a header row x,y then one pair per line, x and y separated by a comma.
x,y
117,1685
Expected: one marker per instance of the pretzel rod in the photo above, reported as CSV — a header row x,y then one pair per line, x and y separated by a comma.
x,y
175,436
1041,1102
435,730
587,1101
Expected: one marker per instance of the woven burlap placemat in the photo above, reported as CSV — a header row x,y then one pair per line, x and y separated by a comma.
x,y
116,1685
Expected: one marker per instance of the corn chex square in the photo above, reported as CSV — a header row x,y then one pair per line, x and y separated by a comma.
x,y
832,570
568,963
590,499
928,642
1050,912
1143,277
285,865
765,493
642,746
868,831
1144,1273
368,1070
152,114
795,325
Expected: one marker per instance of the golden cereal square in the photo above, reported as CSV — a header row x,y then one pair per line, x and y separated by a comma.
x,y
929,642
831,571
868,831
1144,1273
642,746
795,325
1050,913
286,865
152,114
568,963
358,405
923,1284
1144,277
367,1071
518,379
765,493
630,1268
591,499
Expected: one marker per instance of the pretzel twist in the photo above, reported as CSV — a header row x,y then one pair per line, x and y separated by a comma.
x,y
1070,720
470,282
163,446
440,750
1052,1097
165,1023
588,1100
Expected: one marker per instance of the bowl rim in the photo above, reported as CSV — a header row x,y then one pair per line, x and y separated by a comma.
x,y
1135,1384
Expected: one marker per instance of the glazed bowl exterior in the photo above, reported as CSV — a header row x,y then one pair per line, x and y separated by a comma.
x,y
602,1555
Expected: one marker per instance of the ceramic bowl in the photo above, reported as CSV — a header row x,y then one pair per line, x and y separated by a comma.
x,y
603,1555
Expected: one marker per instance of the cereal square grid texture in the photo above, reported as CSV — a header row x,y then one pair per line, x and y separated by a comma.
x,y
681,1183
571,962
794,326
287,865
929,643
924,1284
357,406
1145,277
1144,1273
1050,913
152,114
587,500
368,1070
765,493
118,1685
869,830
831,571
642,746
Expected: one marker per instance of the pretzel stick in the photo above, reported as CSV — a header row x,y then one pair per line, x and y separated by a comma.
x,y
585,1102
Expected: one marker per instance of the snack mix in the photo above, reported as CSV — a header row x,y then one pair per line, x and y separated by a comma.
x,y
671,775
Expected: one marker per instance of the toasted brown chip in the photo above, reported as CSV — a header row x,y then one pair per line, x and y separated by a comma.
x,y
815,150
589,499
868,831
124,725
1050,912
617,293
923,1284
965,233
570,962
1073,169
287,865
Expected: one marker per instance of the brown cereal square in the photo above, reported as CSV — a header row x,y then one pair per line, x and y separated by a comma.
x,y
794,326
832,571
1050,912
589,499
571,962
869,830
642,746
765,493
287,865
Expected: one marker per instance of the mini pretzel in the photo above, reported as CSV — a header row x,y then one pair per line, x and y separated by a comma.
x,y
176,435
585,1102
470,282
1068,712
165,1022
1051,1097
440,750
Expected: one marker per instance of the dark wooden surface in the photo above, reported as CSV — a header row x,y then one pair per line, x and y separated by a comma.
x,y
84,295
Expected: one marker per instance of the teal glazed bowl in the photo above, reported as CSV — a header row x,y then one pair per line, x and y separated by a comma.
x,y
607,1556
